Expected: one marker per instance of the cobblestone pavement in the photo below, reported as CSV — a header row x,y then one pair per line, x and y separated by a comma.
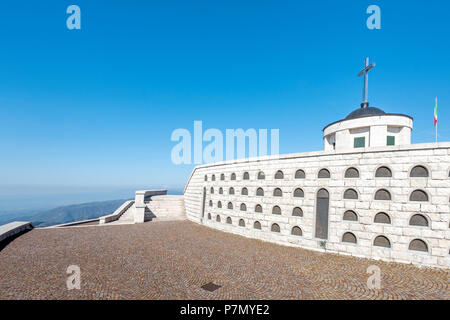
x,y
172,260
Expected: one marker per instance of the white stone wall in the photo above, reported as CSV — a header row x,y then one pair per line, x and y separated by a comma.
x,y
375,129
400,159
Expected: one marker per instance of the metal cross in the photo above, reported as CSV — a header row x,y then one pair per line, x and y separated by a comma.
x,y
365,72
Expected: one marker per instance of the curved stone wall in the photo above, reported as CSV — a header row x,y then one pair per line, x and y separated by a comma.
x,y
372,212
375,129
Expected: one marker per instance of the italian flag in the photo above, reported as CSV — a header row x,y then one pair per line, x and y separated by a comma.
x,y
435,112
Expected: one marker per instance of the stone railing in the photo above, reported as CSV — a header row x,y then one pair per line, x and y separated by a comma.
x,y
11,229
143,196
74,223
116,215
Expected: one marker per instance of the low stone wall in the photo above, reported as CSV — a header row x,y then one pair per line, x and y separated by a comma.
x,y
11,229
116,215
166,207
400,218
141,198
75,223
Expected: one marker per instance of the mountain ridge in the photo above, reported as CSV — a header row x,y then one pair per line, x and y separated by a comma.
x,y
69,213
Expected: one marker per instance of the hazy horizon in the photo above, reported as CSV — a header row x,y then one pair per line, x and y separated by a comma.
x,y
36,198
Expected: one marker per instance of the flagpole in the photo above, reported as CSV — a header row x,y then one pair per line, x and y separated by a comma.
x,y
436,132
436,122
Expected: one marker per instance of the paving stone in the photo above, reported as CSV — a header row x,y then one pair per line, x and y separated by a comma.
x,y
174,259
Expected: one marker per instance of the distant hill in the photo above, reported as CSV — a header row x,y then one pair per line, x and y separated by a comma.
x,y
13,215
71,213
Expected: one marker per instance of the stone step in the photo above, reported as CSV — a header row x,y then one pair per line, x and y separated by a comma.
x,y
151,205
131,219
165,202
166,208
161,207
169,218
168,197
128,216
167,213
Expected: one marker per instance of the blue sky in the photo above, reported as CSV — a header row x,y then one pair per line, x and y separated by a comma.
x,y
95,107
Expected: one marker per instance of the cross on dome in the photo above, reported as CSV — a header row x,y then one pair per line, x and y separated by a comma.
x,y
365,72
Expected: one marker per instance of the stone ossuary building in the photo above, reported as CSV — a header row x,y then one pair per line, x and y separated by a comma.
x,y
370,193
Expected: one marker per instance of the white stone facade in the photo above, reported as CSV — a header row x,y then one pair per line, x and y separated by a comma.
x,y
399,159
340,135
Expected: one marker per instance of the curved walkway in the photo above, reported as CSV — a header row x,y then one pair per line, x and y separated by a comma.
x,y
172,260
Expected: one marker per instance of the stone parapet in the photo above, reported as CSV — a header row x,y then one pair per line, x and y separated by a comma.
x,y
13,228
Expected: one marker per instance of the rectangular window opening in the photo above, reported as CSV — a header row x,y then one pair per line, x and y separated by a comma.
x,y
390,140
360,142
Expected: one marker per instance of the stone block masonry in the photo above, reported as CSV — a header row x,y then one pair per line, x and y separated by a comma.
x,y
393,204
9,230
